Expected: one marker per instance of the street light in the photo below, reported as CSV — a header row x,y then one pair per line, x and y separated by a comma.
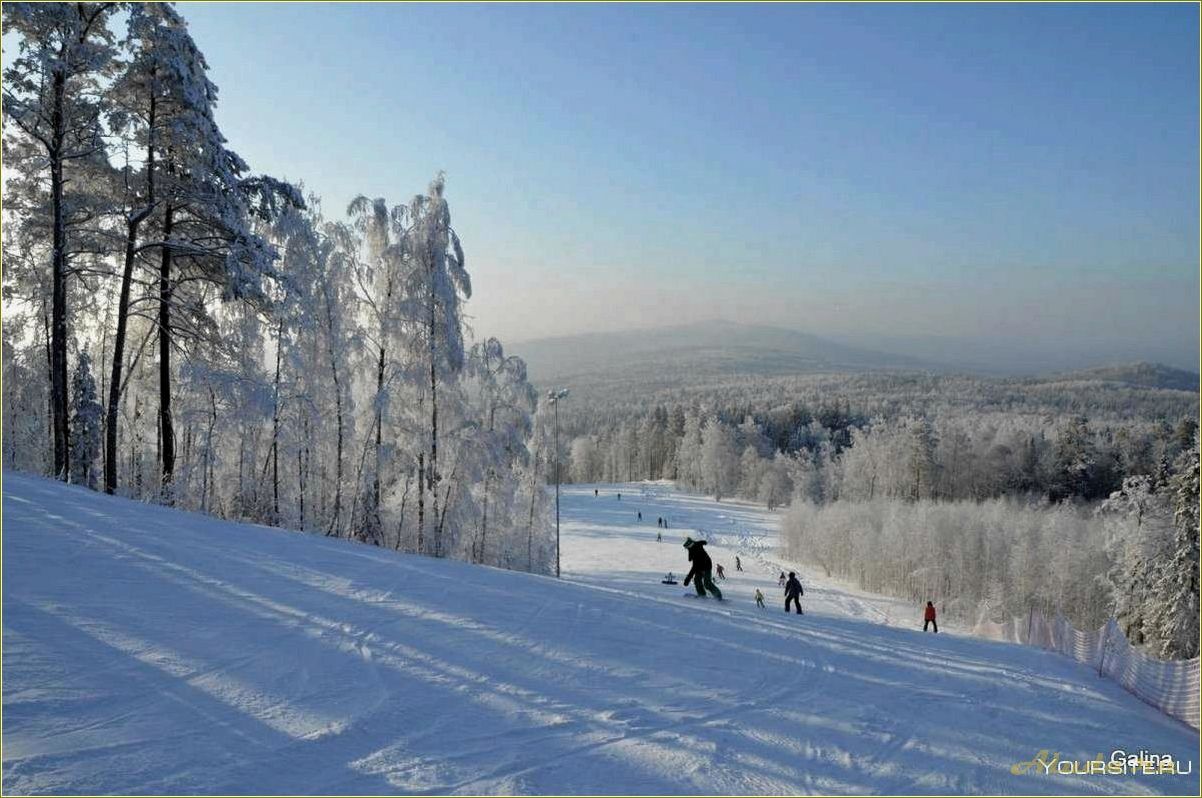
x,y
553,397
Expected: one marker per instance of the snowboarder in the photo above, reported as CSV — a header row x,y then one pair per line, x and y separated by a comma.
x,y
721,573
699,573
928,617
640,515
738,563
781,581
759,599
793,593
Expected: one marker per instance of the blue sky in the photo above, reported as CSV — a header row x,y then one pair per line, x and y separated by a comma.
x,y
874,173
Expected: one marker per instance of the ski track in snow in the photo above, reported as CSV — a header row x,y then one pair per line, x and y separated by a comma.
x,y
148,650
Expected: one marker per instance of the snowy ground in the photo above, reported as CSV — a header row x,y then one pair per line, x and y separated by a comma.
x,y
151,651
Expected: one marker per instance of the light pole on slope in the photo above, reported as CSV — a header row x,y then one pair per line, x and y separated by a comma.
x,y
554,397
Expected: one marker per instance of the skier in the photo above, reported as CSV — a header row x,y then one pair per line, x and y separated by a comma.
x,y
781,581
659,536
793,593
619,497
640,515
594,491
738,563
659,522
759,599
928,617
721,573
702,566
670,579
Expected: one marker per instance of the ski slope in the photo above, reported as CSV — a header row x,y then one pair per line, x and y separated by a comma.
x,y
147,650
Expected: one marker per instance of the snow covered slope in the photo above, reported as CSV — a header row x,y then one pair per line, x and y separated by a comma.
x,y
153,651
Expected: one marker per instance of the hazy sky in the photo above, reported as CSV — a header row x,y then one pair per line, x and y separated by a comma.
x,y
1023,175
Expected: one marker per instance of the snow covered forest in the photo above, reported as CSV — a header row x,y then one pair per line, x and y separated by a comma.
x,y
992,497
180,329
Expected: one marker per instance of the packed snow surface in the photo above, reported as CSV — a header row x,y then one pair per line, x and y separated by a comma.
x,y
147,650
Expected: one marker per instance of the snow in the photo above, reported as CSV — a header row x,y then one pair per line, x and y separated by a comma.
x,y
148,650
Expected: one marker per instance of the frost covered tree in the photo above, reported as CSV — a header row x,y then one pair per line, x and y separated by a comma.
x,y
1176,586
85,423
52,103
719,462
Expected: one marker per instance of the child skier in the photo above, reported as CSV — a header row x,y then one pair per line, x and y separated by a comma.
x,y
781,581
928,617
759,599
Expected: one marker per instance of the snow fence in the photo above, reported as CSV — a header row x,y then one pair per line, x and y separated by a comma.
x,y
1170,686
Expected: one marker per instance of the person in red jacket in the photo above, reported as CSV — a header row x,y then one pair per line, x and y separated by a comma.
x,y
928,618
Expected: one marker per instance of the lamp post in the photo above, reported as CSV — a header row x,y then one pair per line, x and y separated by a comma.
x,y
554,397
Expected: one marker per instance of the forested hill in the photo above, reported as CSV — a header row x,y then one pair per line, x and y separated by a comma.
x,y
1147,375
703,350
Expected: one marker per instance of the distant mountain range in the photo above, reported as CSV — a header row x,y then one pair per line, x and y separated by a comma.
x,y
703,349
1145,375
721,349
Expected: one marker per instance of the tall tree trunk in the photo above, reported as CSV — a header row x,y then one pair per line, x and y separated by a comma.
x,y
329,307
275,431
375,488
58,310
421,502
165,356
432,467
133,222
50,438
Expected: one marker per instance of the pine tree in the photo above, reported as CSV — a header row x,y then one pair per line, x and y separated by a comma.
x,y
85,424
1176,587
51,92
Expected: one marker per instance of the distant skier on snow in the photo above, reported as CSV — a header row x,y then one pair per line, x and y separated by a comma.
x,y
928,617
793,593
738,563
781,581
700,572
659,536
594,491
759,599
670,579
721,573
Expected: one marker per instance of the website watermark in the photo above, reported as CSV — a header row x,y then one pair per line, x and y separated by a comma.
x,y
1119,763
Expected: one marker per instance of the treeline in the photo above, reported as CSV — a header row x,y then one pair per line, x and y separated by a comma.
x,y
831,452
1133,557
990,514
179,329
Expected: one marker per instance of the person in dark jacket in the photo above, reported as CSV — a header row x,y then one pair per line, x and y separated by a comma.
x,y
701,571
928,617
793,593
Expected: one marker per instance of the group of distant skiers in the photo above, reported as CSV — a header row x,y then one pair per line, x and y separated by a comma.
x,y
703,568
